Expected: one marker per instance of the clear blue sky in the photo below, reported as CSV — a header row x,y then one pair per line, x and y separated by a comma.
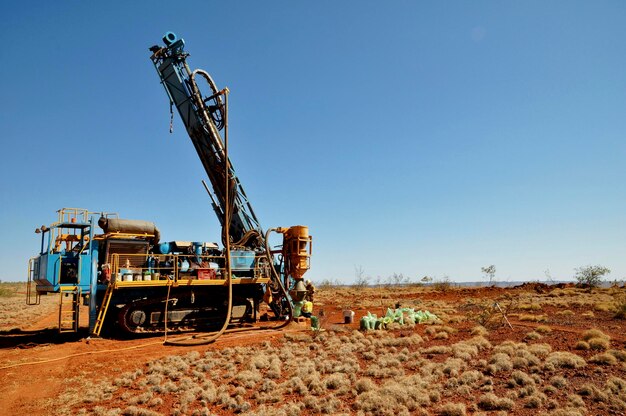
x,y
414,137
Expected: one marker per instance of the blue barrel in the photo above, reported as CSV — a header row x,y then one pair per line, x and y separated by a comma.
x,y
164,248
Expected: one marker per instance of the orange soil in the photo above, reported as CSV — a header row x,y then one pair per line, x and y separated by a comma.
x,y
25,389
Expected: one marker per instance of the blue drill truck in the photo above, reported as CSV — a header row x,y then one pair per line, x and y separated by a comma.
x,y
133,282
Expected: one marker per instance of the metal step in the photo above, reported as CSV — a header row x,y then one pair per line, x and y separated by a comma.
x,y
69,306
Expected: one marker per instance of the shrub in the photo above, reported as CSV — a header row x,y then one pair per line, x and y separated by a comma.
x,y
490,274
443,285
590,276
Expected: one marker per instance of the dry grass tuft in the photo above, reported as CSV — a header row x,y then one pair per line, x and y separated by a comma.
x,y
620,306
479,330
619,354
593,392
582,345
595,340
604,358
452,409
563,359
490,401
437,349
499,362
441,335
533,318
594,333
536,400
364,384
603,306
520,378
385,373
543,329
533,335
599,343
558,381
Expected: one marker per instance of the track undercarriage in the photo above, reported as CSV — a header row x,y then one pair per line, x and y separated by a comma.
x,y
186,309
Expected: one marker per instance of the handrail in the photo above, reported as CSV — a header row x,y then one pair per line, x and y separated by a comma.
x,y
29,281
169,266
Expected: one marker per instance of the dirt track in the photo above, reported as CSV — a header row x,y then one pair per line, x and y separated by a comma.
x,y
53,358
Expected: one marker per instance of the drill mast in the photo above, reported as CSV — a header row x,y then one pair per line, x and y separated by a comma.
x,y
203,117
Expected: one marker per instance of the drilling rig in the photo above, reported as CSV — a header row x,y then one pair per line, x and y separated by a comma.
x,y
135,283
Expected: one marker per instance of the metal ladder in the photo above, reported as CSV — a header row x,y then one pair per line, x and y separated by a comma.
x,y
30,278
69,308
103,309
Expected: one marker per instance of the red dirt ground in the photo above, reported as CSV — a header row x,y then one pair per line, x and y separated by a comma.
x,y
26,389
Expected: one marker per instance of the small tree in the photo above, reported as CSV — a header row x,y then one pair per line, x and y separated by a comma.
x,y
490,274
548,275
361,280
590,276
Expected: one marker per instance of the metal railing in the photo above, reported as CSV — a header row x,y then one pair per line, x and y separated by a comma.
x,y
159,269
33,267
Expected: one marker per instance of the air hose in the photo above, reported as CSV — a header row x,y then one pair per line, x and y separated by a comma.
x,y
268,253
192,341
200,339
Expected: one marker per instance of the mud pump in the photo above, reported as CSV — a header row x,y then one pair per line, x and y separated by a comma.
x,y
135,283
